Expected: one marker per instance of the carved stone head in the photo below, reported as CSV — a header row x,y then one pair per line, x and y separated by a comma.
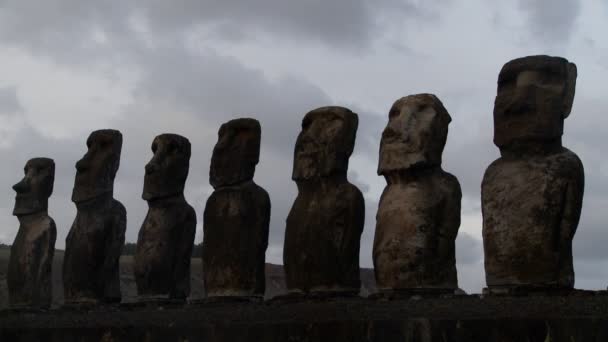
x,y
236,153
535,95
167,171
34,190
415,135
325,143
96,170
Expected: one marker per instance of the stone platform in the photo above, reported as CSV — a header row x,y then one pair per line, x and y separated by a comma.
x,y
582,316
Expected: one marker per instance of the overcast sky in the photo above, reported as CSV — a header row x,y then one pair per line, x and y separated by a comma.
x,y
68,67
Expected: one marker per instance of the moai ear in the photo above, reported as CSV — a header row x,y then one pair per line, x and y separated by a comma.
x,y
570,89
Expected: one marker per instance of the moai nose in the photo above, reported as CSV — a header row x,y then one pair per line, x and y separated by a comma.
x,y
83,164
151,168
21,187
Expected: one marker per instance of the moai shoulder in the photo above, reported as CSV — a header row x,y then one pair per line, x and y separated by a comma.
x,y
95,241
532,195
166,237
324,226
29,278
237,216
419,212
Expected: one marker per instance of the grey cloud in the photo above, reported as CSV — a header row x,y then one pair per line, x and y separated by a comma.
x,y
551,20
67,29
9,102
469,250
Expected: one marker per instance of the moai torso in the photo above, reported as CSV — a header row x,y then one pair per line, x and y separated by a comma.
x,y
29,275
237,215
322,238
532,195
324,226
95,241
529,208
419,211
166,238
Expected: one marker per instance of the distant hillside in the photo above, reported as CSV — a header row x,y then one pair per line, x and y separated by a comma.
x,y
275,279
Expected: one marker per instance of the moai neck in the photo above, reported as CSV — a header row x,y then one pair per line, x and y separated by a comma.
x,y
100,202
26,220
523,149
322,184
167,201
411,175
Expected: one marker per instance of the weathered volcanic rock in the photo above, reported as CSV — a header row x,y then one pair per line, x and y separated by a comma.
x,y
532,195
324,226
29,271
94,243
165,241
419,211
237,215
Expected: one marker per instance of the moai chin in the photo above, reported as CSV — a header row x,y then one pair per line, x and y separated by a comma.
x,y
94,243
419,211
165,241
324,226
237,215
532,195
29,278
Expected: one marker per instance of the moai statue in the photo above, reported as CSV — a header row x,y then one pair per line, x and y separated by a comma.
x,y
166,238
419,212
324,226
29,272
532,195
94,243
236,217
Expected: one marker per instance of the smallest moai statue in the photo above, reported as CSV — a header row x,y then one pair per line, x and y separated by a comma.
x,y
29,272
237,216
419,211
324,226
166,237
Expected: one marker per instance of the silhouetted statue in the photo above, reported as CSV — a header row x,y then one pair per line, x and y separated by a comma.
x,y
419,211
94,243
166,237
532,195
324,226
236,216
29,272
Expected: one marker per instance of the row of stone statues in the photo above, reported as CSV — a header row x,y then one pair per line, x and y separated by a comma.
x,y
531,203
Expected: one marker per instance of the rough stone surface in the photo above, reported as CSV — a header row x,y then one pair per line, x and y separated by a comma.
x,y
324,226
94,243
532,195
166,237
29,271
237,215
580,318
419,211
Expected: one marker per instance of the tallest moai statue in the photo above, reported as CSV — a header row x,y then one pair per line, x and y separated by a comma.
x,y
94,243
532,195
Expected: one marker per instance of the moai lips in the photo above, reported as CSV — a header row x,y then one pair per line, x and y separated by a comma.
x,y
419,211
94,243
165,241
532,195
237,215
324,226
29,272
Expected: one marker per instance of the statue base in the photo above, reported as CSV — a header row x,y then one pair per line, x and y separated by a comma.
x,y
226,299
527,290
396,294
